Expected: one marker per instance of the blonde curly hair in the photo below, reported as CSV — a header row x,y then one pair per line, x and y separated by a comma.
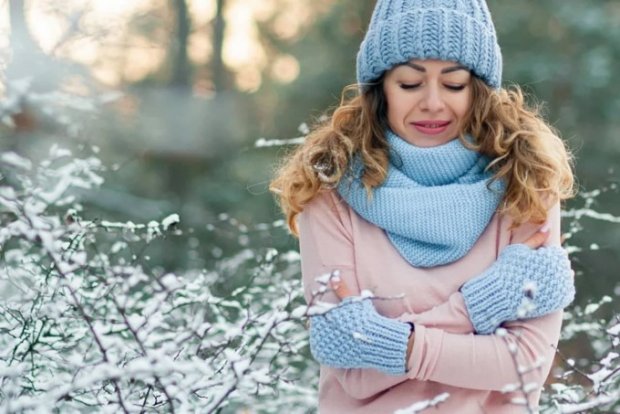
x,y
525,150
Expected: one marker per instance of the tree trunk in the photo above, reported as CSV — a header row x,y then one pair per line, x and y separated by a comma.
x,y
219,71
23,46
25,60
181,72
19,35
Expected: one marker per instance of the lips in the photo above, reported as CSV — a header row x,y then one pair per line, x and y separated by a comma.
x,y
431,124
431,127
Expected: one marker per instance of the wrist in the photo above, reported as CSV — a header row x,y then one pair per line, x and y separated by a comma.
x,y
410,344
384,345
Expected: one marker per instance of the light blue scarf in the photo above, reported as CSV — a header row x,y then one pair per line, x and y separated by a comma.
x,y
434,203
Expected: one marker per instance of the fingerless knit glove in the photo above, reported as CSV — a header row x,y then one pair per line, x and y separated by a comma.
x,y
354,335
542,276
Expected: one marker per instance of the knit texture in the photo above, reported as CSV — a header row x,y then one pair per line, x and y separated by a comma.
x,y
452,30
522,283
434,204
354,335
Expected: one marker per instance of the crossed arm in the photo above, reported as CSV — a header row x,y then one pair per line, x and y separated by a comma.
x,y
464,315
444,348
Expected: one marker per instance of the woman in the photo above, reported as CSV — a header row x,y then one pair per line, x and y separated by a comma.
x,y
437,191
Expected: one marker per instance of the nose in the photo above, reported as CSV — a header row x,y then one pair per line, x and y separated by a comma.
x,y
432,100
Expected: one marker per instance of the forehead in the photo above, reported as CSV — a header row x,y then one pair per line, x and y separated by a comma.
x,y
431,66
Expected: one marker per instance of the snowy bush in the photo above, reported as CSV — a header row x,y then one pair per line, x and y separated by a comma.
x,y
84,326
591,384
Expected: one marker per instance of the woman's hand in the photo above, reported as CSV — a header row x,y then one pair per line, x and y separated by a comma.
x,y
527,280
539,238
340,288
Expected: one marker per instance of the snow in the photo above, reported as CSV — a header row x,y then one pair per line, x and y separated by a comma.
x,y
299,312
264,142
319,308
172,219
12,159
421,406
325,277
597,401
593,307
510,388
57,152
358,336
365,293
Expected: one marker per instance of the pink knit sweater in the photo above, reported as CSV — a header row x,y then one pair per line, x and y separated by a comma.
x,y
446,357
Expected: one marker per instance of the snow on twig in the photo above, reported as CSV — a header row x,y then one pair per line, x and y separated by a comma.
x,y
424,405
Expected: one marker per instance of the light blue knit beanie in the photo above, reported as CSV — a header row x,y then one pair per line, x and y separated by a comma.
x,y
455,30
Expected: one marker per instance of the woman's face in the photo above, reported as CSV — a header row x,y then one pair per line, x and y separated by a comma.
x,y
426,100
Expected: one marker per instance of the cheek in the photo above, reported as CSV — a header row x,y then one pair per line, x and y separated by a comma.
x,y
462,105
396,105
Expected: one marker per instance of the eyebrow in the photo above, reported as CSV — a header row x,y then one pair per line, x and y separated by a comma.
x,y
444,70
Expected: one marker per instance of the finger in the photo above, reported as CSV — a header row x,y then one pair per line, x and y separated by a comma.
x,y
340,287
538,239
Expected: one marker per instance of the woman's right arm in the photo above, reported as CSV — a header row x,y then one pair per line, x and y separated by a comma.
x,y
325,235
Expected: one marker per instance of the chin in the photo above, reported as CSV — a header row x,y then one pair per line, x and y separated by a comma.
x,y
430,141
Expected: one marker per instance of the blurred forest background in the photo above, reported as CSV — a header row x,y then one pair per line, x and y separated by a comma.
x,y
189,87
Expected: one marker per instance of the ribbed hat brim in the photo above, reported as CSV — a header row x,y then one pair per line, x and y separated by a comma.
x,y
437,33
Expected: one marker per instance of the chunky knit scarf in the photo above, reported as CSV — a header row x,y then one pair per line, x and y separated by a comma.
x,y
434,203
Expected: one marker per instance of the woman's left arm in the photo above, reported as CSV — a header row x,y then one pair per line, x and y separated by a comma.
x,y
554,291
486,362
446,350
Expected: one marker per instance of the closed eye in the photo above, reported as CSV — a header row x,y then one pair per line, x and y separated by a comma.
x,y
409,86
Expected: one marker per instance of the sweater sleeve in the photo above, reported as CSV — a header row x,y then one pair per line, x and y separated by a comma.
x,y
485,362
447,351
325,244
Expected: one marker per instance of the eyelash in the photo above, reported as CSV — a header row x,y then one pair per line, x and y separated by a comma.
x,y
414,86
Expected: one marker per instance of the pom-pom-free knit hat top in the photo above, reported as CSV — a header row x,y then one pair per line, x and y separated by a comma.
x,y
452,30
